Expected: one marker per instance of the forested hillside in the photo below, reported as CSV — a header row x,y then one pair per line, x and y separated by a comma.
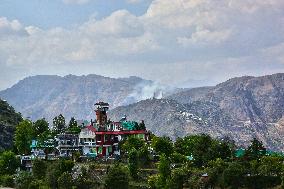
x,y
8,121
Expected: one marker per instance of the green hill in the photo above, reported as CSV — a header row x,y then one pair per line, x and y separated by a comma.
x,y
8,121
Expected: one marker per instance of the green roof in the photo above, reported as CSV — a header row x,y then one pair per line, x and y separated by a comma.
x,y
129,125
241,152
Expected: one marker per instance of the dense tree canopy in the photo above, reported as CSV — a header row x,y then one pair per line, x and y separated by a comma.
x,y
203,148
117,177
195,161
131,143
40,126
163,145
8,163
9,119
65,181
133,163
39,169
23,136
234,174
255,151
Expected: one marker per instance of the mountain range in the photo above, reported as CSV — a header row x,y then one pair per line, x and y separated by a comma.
x,y
240,108
50,95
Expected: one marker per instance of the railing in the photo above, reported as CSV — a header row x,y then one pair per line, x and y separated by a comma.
x,y
87,143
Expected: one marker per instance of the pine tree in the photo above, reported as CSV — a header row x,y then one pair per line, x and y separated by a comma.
x,y
59,124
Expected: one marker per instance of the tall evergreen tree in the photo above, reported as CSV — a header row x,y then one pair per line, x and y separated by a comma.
x,y
72,122
255,151
40,126
73,126
59,124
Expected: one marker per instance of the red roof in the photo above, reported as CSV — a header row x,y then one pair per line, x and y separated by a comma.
x,y
116,123
120,132
91,128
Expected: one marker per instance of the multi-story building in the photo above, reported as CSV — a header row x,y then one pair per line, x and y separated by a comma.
x,y
44,150
67,144
99,139
87,141
107,134
26,162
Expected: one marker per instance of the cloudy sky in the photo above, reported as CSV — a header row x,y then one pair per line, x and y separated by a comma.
x,y
178,42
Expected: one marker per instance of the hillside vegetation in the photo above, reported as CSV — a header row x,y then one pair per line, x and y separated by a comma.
x,y
8,121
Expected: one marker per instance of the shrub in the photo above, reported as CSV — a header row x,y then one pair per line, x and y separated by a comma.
x,y
65,181
36,184
133,163
117,177
23,180
39,169
7,181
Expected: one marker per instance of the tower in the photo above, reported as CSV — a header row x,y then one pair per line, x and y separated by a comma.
x,y
101,112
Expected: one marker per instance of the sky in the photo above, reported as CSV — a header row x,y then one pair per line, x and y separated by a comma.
x,y
183,43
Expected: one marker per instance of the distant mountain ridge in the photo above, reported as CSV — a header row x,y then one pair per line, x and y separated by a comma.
x,y
255,99
240,108
49,95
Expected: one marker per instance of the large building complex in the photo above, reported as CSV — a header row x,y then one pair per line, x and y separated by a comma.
x,y
98,139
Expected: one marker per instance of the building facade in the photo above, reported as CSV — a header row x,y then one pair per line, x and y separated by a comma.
x,y
108,134
99,139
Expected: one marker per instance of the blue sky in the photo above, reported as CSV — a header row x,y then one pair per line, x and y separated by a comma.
x,y
55,13
183,43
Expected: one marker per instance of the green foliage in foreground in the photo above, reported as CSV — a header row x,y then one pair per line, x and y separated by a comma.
x,y
8,163
117,177
133,163
39,169
197,161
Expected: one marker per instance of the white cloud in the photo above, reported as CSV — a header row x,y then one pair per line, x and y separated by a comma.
x,y
79,2
205,37
134,1
183,39
13,27
274,53
120,24
32,30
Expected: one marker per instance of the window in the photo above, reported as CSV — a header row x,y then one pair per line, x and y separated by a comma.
x,y
99,137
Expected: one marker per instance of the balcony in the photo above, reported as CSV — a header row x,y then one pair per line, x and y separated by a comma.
x,y
87,144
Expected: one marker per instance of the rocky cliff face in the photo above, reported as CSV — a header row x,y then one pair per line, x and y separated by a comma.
x,y
168,117
254,99
240,108
48,96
